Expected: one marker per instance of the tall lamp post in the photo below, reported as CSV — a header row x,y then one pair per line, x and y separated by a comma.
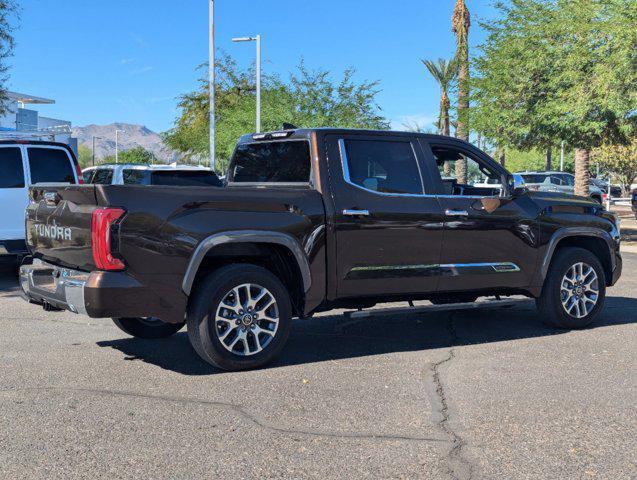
x,y
256,39
94,137
117,144
211,80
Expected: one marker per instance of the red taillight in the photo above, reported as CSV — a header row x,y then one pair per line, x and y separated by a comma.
x,y
101,224
78,171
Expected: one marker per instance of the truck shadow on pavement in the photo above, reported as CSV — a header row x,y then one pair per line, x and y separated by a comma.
x,y
334,337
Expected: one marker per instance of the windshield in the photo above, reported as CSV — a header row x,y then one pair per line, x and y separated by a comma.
x,y
533,177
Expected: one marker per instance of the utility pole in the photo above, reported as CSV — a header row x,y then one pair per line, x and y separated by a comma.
x,y
256,39
117,145
94,137
211,82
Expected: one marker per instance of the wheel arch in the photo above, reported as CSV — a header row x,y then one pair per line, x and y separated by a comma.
x,y
280,253
597,241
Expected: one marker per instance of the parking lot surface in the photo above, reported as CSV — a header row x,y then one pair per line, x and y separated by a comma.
x,y
472,394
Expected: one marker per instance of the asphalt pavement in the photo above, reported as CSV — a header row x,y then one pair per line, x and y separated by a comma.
x,y
488,394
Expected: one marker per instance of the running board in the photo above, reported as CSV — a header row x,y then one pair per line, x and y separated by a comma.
x,y
438,308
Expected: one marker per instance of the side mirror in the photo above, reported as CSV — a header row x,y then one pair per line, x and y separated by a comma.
x,y
515,184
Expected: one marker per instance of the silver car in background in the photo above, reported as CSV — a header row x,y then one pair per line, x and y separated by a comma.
x,y
557,182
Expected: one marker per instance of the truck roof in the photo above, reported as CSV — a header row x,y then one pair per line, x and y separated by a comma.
x,y
306,132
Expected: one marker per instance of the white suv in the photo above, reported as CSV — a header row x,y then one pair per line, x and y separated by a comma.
x,y
24,163
136,174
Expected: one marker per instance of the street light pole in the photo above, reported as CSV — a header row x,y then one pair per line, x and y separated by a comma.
x,y
211,81
256,39
117,145
562,158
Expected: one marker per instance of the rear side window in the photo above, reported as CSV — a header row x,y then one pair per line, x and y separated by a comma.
x,y
381,166
11,171
135,177
103,176
49,165
185,178
281,162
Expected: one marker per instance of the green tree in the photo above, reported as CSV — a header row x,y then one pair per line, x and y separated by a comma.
x,y
559,69
8,11
136,154
444,72
85,156
461,22
308,99
620,161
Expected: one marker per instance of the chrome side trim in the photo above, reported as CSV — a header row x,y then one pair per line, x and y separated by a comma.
x,y
247,236
449,269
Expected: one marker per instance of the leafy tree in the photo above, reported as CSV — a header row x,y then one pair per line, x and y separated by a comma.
x,y
620,161
308,99
85,156
136,154
8,10
461,22
559,69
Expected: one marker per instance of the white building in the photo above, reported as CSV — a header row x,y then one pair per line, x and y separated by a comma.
x,y
19,120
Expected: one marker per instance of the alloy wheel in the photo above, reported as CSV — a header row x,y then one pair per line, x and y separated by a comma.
x,y
247,319
579,290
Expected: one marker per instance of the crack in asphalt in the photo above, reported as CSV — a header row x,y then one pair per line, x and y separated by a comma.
x,y
458,466
238,409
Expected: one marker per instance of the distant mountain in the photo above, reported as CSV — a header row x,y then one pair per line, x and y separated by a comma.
x,y
131,136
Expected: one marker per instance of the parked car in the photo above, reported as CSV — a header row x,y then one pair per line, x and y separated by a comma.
x,y
615,190
135,174
312,220
557,182
634,202
24,163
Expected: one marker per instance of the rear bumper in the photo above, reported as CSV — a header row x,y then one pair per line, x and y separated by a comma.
x,y
53,286
99,294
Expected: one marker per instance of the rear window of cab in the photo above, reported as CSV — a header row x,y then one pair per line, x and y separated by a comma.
x,y
271,162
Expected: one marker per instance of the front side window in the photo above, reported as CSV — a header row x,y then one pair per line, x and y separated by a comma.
x,y
266,162
381,166
464,175
11,170
50,165
103,176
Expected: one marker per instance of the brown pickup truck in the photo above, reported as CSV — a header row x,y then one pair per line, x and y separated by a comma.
x,y
311,220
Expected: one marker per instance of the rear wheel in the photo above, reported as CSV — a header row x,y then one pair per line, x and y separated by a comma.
x,y
147,327
239,317
574,290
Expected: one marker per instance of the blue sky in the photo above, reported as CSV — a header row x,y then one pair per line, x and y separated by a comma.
x,y
128,60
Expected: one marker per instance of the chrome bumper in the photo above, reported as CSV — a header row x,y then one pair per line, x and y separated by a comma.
x,y
53,286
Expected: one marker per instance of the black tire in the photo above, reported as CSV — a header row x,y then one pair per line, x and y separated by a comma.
x,y
454,298
204,330
550,307
148,328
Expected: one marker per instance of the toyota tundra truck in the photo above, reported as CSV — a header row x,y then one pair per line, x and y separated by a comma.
x,y
311,220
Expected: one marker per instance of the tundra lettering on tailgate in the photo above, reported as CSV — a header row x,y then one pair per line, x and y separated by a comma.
x,y
52,231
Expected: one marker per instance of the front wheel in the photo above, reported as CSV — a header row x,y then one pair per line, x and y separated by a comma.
x,y
147,327
239,317
574,289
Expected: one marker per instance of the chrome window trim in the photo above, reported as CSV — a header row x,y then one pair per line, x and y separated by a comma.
x,y
346,177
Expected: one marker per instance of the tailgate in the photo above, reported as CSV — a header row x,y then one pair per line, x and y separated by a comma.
x,y
58,225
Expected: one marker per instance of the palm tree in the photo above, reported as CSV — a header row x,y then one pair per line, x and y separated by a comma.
x,y
461,22
444,73
582,172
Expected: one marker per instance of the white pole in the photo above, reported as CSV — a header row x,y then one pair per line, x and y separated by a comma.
x,y
116,146
258,83
608,195
562,158
211,83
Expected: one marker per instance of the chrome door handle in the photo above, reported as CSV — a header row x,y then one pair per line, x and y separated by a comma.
x,y
356,213
456,213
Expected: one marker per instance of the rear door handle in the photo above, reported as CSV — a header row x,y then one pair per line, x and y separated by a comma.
x,y
456,213
356,213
